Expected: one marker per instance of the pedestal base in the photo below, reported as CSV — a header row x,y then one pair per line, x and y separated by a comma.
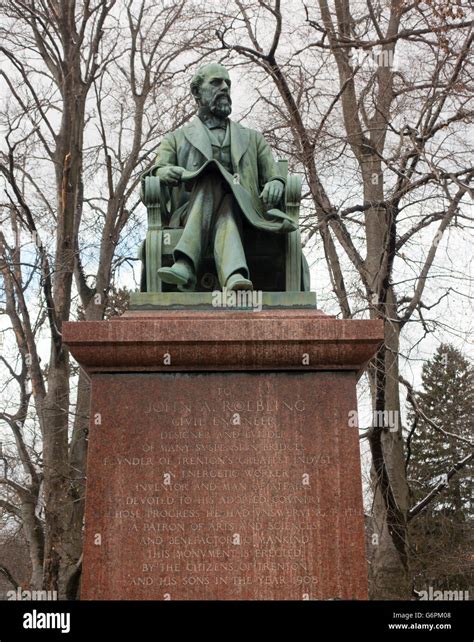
x,y
224,484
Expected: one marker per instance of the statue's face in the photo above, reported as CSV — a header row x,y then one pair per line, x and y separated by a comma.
x,y
214,91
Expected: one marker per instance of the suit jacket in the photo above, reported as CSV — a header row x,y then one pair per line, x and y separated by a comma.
x,y
190,147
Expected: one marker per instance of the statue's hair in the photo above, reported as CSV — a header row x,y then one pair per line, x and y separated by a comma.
x,y
198,77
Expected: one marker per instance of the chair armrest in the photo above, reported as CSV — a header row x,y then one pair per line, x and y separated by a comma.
x,y
154,197
150,190
293,196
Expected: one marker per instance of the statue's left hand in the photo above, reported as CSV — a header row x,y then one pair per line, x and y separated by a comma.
x,y
272,192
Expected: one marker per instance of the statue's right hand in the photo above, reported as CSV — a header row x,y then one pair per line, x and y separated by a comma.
x,y
170,175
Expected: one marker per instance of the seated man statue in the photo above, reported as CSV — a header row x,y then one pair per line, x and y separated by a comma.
x,y
220,176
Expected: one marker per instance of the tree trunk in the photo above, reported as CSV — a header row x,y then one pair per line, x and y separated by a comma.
x,y
55,456
389,571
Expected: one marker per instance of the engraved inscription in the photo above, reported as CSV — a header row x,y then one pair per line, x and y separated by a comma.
x,y
219,492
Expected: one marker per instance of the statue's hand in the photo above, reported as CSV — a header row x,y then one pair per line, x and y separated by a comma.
x,y
170,175
272,192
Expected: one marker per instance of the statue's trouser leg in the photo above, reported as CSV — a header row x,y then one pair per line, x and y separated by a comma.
x,y
228,249
211,216
197,224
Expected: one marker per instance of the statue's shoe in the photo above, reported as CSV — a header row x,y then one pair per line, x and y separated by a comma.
x,y
179,274
238,282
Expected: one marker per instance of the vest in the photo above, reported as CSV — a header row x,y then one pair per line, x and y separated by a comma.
x,y
221,151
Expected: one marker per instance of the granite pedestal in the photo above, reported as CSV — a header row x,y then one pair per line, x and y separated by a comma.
x,y
222,463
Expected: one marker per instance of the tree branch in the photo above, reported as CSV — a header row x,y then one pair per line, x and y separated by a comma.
x,y
440,486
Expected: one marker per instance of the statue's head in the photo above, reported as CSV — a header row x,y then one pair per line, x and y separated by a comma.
x,y
210,87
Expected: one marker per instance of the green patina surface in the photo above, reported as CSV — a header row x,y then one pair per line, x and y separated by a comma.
x,y
221,300
221,212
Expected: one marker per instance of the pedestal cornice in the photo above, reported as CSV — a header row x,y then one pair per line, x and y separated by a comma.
x,y
223,340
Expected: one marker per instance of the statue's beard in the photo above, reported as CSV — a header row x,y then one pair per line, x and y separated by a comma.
x,y
221,106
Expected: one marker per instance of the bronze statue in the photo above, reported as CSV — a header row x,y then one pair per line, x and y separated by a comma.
x,y
220,176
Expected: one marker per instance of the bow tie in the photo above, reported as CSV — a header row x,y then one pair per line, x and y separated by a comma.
x,y
216,124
